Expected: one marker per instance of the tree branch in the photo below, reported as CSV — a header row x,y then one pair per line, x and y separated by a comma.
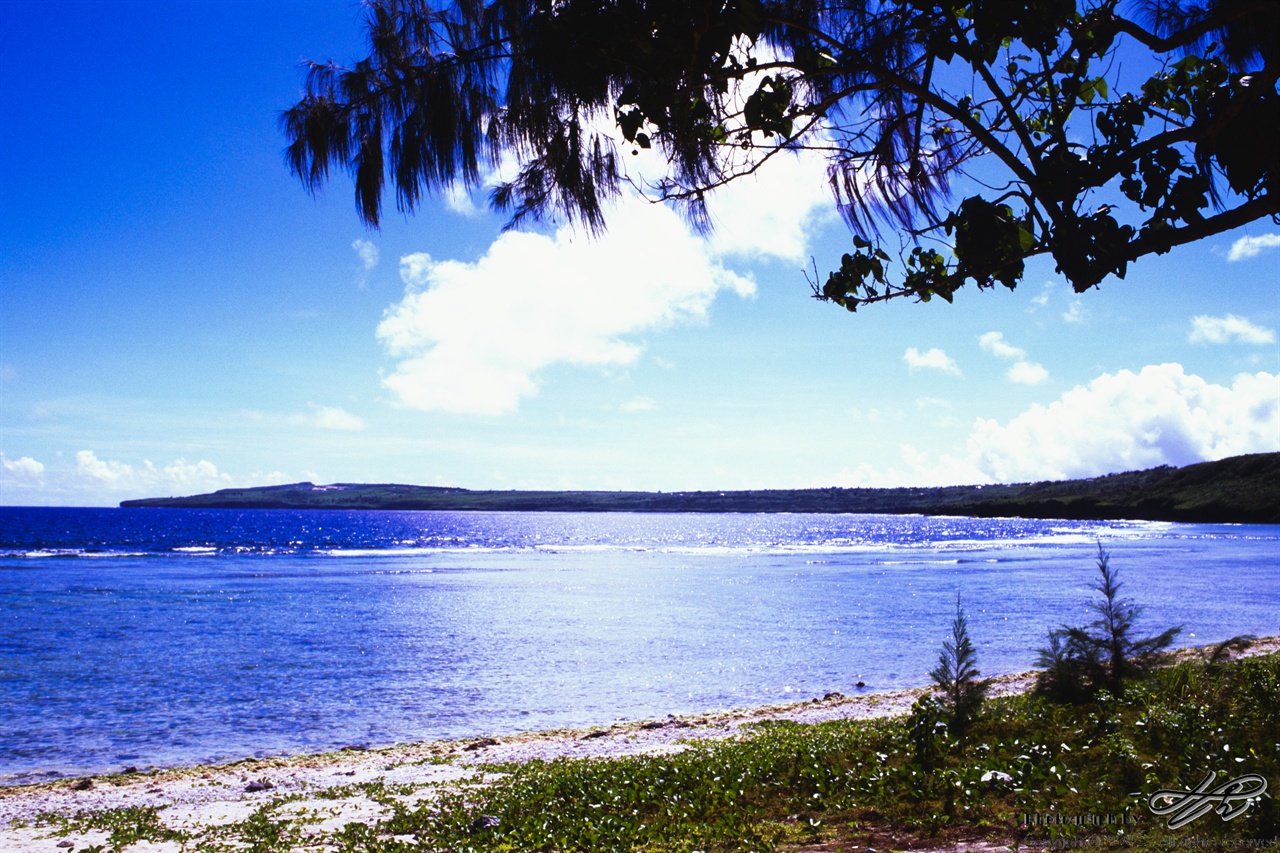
x,y
1162,241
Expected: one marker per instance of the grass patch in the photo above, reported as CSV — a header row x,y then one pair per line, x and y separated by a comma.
x,y
861,783
837,785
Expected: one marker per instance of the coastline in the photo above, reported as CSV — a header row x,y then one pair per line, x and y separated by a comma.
x,y
209,794
200,799
1236,490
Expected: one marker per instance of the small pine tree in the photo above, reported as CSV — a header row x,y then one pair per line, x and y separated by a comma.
x,y
1080,662
957,675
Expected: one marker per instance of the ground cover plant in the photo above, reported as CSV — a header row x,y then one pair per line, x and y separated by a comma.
x,y
847,784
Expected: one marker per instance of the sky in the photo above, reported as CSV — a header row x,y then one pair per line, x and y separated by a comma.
x,y
178,315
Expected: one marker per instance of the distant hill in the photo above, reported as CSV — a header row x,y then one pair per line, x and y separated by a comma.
x,y
1242,489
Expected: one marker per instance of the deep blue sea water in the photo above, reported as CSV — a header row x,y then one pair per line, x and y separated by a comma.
x,y
153,637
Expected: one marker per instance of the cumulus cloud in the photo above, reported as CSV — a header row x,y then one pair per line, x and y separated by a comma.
x,y
89,480
1125,421
331,417
1228,329
1251,247
933,359
458,199
178,475
88,464
24,466
472,337
772,212
994,343
1026,373
367,252
1022,371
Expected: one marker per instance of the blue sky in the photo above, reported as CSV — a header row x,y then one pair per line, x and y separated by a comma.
x,y
177,315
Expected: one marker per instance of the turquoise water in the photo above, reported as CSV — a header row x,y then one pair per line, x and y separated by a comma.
x,y
160,637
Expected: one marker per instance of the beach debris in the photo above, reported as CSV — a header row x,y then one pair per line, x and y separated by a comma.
x,y
480,744
485,821
65,844
258,785
82,785
833,696
653,724
597,733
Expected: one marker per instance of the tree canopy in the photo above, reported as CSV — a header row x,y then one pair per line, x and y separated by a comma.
x,y
961,139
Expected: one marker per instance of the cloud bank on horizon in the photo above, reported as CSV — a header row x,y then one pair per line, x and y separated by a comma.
x,y
1128,421
1122,421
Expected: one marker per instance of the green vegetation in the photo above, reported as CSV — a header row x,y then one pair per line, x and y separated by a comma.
x,y
1036,106
957,677
1102,655
124,826
1243,489
845,784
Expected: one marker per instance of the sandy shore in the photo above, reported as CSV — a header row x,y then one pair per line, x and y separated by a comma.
x,y
200,800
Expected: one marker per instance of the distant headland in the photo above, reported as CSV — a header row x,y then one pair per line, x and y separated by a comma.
x,y
1242,489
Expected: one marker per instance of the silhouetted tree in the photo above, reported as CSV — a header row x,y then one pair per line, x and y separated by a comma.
x,y
1102,655
904,98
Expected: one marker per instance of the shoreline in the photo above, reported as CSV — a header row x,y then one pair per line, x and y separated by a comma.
x,y
436,761
1236,490
204,797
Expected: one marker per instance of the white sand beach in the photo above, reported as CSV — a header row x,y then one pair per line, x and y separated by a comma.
x,y
198,800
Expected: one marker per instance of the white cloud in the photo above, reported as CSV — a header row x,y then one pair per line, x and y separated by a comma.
x,y
1046,291
24,466
367,252
87,480
90,481
919,468
1026,373
639,404
933,359
994,343
1221,330
1074,313
1125,421
471,337
121,475
1023,372
458,199
88,464
330,417
1251,247
772,212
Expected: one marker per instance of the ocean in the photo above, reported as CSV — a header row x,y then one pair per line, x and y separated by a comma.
x,y
161,637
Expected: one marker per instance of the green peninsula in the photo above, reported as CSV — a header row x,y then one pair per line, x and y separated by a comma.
x,y
1242,489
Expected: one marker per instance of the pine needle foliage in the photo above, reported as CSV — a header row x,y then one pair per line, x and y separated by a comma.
x,y
1080,662
957,675
903,99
